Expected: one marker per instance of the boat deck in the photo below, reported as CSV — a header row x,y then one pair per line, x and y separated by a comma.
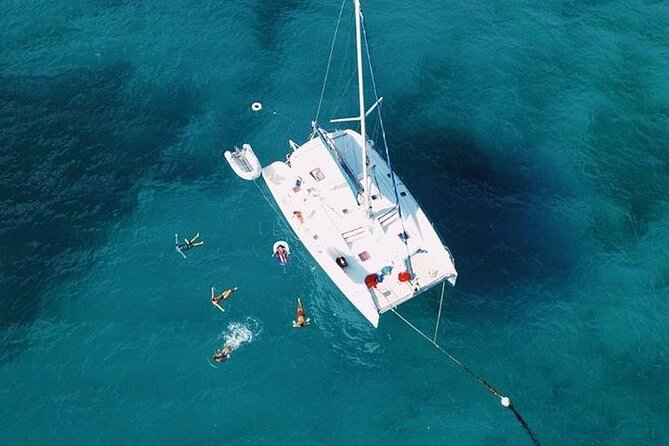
x,y
319,204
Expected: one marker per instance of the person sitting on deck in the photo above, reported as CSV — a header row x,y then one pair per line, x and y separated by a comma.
x,y
301,321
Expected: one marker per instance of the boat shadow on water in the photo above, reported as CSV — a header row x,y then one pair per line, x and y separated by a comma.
x,y
492,207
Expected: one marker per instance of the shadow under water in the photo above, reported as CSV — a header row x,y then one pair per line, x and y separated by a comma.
x,y
493,206
73,148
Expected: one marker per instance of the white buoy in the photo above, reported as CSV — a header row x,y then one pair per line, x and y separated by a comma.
x,y
506,402
256,106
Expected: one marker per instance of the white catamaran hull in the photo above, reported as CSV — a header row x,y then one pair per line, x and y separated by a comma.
x,y
315,197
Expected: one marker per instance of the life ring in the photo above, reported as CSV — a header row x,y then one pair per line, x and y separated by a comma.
x,y
256,106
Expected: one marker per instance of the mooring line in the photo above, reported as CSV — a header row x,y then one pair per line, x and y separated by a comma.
x,y
505,401
441,302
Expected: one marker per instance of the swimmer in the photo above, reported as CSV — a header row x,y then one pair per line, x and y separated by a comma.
x,y
192,243
180,246
216,299
187,244
223,354
301,320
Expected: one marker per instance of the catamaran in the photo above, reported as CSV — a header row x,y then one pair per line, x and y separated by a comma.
x,y
354,215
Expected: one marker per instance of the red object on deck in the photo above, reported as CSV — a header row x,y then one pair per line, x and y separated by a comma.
x,y
371,281
404,276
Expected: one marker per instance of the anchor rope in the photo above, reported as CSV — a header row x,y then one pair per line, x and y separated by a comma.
x,y
494,392
441,302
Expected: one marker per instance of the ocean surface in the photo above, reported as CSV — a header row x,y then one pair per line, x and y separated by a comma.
x,y
534,134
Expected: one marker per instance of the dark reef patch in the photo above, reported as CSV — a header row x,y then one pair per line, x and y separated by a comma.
x,y
271,16
491,204
73,148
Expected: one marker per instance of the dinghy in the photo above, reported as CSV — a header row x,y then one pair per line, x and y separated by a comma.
x,y
244,162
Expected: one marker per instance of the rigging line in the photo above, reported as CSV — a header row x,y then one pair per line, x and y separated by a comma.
x,y
271,205
505,401
441,301
343,85
283,221
385,140
327,70
343,94
280,115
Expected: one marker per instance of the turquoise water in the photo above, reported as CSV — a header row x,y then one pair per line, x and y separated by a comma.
x,y
535,134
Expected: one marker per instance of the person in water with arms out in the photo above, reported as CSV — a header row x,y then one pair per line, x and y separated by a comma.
x,y
193,242
187,244
223,354
301,321
216,299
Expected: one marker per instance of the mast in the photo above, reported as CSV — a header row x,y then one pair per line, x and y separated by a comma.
x,y
361,99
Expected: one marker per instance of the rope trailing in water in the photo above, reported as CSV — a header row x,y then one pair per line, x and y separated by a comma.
x,y
441,301
272,205
505,401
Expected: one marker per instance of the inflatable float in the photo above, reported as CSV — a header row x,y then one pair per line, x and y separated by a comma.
x,y
281,254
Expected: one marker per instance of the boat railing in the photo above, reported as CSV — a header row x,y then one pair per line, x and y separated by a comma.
x,y
354,234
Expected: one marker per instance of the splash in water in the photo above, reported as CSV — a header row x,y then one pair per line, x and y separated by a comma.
x,y
238,333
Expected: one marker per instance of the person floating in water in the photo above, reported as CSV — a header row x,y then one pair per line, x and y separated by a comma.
x,y
216,299
187,244
301,321
223,354
193,242
179,246
282,254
